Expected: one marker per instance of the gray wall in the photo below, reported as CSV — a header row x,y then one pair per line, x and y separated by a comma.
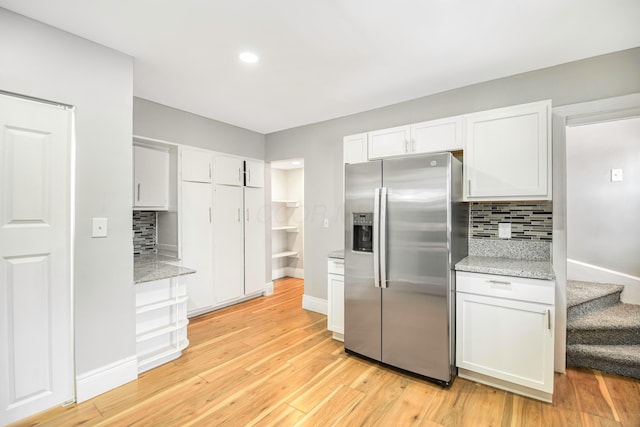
x,y
320,144
602,216
40,61
158,121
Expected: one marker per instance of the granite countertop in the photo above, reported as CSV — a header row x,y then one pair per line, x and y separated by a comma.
x,y
507,267
339,254
150,267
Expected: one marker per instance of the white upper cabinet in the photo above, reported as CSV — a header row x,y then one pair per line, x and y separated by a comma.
x,y
229,171
150,177
196,165
355,148
254,174
436,136
389,142
507,153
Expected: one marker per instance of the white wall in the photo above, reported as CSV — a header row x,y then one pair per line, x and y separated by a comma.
x,y
320,144
602,216
43,62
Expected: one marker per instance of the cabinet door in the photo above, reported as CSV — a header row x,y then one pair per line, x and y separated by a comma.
x,y
229,170
389,142
335,315
228,243
254,174
505,339
197,244
254,240
355,148
196,165
437,135
150,177
507,153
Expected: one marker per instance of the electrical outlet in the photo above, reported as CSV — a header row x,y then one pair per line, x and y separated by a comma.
x,y
504,230
99,228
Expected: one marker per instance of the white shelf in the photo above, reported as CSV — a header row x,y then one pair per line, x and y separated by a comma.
x,y
161,304
287,228
160,356
173,327
288,203
290,254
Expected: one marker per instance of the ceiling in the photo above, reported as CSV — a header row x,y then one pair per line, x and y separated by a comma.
x,y
324,59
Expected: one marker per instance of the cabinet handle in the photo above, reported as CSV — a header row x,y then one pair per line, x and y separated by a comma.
x,y
469,187
498,282
247,214
209,214
406,146
238,214
138,192
209,170
549,319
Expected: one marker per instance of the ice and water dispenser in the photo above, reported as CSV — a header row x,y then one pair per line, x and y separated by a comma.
x,y
363,232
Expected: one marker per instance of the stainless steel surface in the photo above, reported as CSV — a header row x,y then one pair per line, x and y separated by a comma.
x,y
383,237
416,202
376,238
362,299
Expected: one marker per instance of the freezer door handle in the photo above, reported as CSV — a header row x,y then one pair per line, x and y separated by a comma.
x,y
376,235
383,237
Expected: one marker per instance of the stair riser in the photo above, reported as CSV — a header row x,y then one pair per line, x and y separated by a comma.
x,y
589,306
604,337
605,365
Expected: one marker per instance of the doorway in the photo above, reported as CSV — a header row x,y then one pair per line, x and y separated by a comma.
x,y
287,218
36,206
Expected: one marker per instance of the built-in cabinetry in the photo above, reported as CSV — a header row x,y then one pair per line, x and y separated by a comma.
x,y
281,224
161,321
507,153
505,332
197,235
150,176
335,309
238,224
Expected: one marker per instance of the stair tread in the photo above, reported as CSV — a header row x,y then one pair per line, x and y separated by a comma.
x,y
628,354
579,292
618,316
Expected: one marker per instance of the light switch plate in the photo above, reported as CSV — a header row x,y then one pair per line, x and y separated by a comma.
x,y
504,230
326,223
99,228
616,175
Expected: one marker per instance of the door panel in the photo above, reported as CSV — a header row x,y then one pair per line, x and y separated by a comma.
x,y
415,331
362,299
36,358
254,249
228,243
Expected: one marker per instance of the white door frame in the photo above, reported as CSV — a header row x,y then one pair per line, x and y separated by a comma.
x,y
582,113
70,193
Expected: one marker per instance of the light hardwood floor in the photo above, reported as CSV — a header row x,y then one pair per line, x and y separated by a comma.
x,y
268,362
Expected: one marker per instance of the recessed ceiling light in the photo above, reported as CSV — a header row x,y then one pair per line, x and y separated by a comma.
x,y
248,57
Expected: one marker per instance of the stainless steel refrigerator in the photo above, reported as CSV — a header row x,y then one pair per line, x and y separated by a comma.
x,y
405,228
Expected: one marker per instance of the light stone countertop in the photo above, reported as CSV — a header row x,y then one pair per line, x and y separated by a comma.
x,y
507,267
150,267
339,254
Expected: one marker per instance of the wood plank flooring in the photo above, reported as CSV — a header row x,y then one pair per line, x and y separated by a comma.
x,y
267,362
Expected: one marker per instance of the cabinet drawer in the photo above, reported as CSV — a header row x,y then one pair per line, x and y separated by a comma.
x,y
336,266
514,288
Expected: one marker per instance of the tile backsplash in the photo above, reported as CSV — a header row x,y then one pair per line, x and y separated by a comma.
x,y
144,232
532,221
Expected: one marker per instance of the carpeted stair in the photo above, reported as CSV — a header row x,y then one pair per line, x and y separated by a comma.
x,y
602,332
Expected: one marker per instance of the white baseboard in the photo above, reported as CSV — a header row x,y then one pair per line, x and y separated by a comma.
x,y
318,305
277,273
105,378
268,289
577,270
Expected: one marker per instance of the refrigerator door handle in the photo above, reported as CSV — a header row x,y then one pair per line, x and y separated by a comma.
x,y
376,236
383,237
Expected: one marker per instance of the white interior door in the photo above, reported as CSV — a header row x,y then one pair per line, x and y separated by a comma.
x,y
36,347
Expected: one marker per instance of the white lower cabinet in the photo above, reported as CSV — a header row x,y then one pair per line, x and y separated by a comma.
x,y
161,321
335,312
505,332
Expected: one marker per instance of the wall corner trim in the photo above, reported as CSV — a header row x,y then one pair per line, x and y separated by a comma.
x,y
105,378
315,304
